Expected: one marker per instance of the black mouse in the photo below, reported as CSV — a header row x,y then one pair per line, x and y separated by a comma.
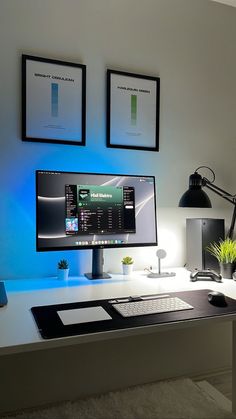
x,y
217,298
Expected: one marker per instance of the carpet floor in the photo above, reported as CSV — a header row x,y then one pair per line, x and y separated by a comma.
x,y
171,399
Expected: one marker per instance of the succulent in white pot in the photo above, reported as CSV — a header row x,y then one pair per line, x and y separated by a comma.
x,y
127,264
63,270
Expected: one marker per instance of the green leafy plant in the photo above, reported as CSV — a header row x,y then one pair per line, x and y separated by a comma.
x,y
63,264
127,260
224,251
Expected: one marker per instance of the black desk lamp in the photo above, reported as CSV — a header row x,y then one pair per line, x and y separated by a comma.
x,y
196,197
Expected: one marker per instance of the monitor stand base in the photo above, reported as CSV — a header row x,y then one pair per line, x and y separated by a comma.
x,y
102,275
97,266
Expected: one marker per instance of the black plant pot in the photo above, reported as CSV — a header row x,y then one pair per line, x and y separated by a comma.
x,y
226,270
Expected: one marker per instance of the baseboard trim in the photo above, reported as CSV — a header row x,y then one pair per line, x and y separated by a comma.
x,y
211,373
215,395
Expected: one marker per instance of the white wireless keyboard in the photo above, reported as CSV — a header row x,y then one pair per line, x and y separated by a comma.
x,y
151,306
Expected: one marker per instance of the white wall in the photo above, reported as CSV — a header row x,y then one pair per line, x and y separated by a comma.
x,y
190,44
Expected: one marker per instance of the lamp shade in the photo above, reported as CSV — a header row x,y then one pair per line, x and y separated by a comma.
x,y
195,196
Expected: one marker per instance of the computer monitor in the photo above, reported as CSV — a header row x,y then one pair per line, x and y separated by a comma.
x,y
94,211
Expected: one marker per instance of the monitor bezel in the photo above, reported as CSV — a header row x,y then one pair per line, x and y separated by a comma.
x,y
98,246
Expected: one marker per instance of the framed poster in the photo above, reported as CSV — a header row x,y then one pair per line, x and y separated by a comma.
x,y
53,101
133,103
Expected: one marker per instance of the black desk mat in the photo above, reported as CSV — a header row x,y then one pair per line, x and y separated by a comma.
x,y
50,325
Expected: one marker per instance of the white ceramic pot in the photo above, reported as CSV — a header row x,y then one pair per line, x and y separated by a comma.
x,y
63,274
127,269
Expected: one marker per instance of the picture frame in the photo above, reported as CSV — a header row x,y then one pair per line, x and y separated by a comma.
x,y
133,108
53,101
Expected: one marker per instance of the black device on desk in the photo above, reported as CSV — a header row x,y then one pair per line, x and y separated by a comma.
x,y
205,275
3,295
217,299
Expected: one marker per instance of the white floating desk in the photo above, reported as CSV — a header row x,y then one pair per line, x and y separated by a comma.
x,y
19,333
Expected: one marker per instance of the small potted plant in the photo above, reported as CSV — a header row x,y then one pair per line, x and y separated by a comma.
x,y
63,269
127,263
225,253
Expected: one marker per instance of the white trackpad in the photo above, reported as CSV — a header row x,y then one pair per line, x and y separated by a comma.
x,y
83,315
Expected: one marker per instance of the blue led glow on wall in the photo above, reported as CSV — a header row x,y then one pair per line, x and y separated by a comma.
x,y
18,256
54,99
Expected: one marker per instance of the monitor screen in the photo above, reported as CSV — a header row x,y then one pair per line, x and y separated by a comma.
x,y
94,211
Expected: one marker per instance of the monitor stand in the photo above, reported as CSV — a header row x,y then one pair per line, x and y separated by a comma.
x,y
97,266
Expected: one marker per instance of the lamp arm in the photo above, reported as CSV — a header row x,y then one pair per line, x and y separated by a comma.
x,y
219,191
228,197
231,229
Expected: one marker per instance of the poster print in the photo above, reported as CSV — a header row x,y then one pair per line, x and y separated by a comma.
x,y
53,101
132,111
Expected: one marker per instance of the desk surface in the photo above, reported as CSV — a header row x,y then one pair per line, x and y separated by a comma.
x,y
19,332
